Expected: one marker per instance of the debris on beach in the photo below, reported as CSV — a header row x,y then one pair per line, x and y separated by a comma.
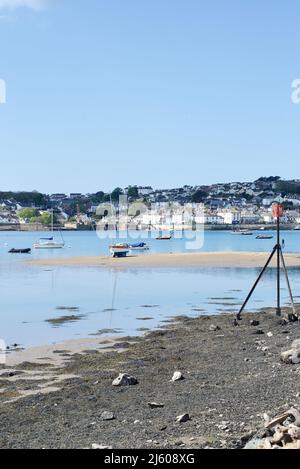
x,y
178,376
155,405
125,380
254,323
214,328
282,432
95,446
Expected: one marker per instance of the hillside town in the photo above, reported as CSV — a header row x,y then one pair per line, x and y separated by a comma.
x,y
218,205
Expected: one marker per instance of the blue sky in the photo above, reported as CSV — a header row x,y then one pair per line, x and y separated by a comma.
x,y
106,93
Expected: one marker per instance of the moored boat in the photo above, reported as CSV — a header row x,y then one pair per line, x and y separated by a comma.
x,y
264,237
119,250
164,238
20,251
139,247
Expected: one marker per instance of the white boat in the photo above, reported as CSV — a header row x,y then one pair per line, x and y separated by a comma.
x,y
119,250
43,244
49,243
242,232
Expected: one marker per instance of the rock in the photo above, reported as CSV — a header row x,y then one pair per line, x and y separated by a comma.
x,y
125,380
95,446
254,323
155,405
295,358
270,334
286,357
107,416
258,332
294,432
178,376
214,328
183,418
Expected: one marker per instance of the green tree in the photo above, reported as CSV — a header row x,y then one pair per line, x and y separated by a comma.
x,y
45,218
27,213
116,194
133,192
199,196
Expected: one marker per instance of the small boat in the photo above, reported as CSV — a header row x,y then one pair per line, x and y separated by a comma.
x,y
139,247
264,237
49,243
20,251
119,250
43,244
242,232
164,238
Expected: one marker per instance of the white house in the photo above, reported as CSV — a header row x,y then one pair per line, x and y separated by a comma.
x,y
230,217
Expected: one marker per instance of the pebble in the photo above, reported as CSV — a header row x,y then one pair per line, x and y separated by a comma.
x,y
155,405
183,418
254,323
214,328
106,416
95,446
178,376
270,334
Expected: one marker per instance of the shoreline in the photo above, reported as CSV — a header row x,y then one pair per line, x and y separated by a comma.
x,y
233,375
176,260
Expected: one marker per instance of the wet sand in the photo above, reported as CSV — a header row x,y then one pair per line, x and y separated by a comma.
x,y
233,375
182,260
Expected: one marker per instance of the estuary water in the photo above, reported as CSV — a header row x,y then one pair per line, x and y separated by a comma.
x,y
41,305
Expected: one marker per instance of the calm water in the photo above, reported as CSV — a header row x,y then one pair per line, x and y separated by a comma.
x,y
128,300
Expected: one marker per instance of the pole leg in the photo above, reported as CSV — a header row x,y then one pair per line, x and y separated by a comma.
x,y
278,311
257,282
288,283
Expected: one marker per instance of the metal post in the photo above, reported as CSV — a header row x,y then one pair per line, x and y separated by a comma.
x,y
288,282
256,283
278,311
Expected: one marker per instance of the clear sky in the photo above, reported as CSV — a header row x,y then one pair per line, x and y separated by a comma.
x,y
106,93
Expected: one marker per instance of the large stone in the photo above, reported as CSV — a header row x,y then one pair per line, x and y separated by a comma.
x,y
295,359
286,357
125,380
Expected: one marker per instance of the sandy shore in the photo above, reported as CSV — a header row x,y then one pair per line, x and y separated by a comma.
x,y
181,260
233,375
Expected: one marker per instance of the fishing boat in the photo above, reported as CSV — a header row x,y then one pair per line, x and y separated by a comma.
x,y
20,251
119,250
164,238
242,232
49,243
264,237
139,247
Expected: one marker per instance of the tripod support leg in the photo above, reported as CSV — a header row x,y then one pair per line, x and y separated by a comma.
x,y
288,282
257,282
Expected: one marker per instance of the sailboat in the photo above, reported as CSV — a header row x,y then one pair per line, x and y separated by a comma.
x,y
49,243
